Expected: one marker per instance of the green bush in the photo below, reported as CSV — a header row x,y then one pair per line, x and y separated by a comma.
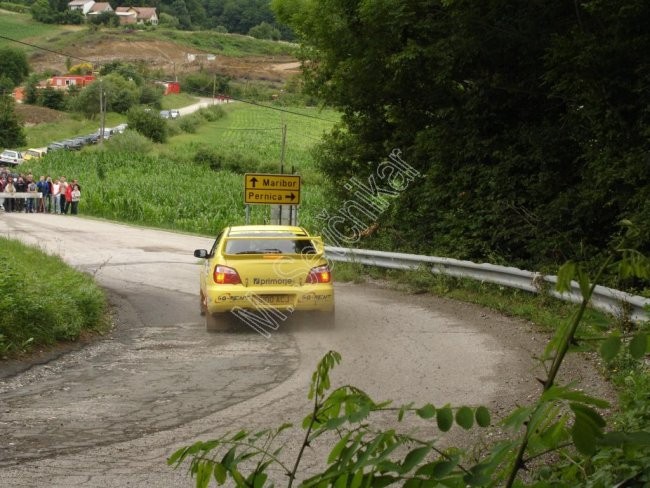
x,y
215,112
148,123
209,156
15,7
42,300
189,123
129,142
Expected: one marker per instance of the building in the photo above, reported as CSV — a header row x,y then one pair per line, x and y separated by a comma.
x,y
137,15
100,8
170,87
83,5
64,81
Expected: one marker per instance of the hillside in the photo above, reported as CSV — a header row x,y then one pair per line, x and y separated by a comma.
x,y
168,52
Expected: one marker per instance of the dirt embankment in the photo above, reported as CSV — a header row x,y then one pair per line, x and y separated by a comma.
x,y
33,114
172,59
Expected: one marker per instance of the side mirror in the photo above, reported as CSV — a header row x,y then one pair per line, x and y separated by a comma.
x,y
200,253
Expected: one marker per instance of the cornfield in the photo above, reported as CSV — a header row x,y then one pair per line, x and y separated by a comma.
x,y
158,192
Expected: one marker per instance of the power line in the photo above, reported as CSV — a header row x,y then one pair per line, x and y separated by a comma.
x,y
250,102
47,50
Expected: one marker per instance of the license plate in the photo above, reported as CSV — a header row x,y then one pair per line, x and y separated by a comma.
x,y
276,299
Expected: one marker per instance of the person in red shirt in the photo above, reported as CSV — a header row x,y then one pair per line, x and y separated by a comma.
x,y
68,198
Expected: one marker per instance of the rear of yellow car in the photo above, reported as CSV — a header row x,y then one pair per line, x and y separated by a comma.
x,y
265,268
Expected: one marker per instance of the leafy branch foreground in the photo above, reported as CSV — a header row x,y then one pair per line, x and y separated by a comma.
x,y
563,428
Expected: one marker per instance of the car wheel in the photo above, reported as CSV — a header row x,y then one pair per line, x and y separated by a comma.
x,y
202,306
216,323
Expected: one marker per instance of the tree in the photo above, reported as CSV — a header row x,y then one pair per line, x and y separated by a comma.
x,y
11,130
120,95
80,69
6,85
524,121
264,31
13,64
31,90
42,11
151,95
109,19
51,98
148,123
179,10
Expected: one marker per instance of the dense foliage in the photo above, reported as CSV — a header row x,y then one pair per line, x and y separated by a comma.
x,y
235,16
13,65
11,129
147,123
35,310
527,121
55,12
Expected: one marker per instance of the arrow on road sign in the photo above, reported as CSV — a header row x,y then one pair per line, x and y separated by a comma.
x,y
253,181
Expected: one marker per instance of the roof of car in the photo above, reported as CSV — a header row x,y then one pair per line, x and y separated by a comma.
x,y
272,229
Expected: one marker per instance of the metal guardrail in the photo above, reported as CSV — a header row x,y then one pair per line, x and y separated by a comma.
x,y
605,299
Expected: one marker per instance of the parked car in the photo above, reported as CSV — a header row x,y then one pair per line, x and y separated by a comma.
x,y
35,153
262,267
91,138
9,156
174,114
108,132
72,144
165,114
55,146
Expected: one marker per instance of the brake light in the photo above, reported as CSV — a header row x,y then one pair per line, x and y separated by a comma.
x,y
223,275
319,274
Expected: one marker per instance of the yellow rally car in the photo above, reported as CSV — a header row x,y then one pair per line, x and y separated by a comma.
x,y
262,274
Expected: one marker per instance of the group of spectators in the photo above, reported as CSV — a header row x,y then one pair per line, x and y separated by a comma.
x,y
57,196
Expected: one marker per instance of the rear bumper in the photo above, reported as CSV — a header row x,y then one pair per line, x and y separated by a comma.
x,y
225,298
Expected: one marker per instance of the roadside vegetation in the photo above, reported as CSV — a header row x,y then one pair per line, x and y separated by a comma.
x,y
44,301
69,125
194,182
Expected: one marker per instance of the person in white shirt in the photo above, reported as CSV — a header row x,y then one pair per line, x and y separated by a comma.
x,y
56,194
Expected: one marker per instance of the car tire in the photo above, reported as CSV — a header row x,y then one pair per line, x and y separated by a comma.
x,y
202,306
216,323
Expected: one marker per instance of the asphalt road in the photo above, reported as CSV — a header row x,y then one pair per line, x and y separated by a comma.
x,y
110,413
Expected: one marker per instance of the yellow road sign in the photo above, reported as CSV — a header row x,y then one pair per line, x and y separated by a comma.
x,y
271,189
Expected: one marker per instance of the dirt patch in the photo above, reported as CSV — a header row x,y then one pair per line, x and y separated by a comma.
x,y
32,114
172,59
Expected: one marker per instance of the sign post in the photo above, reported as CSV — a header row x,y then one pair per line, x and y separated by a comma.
x,y
271,189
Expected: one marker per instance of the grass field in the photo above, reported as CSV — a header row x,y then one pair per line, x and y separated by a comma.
x,y
255,132
22,27
233,45
177,100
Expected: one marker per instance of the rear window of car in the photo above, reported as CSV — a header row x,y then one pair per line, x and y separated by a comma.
x,y
280,245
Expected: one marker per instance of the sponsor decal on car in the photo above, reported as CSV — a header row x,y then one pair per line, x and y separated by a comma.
x,y
272,281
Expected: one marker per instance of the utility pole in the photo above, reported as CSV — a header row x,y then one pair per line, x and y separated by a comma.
x,y
282,153
102,112
214,87
284,145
